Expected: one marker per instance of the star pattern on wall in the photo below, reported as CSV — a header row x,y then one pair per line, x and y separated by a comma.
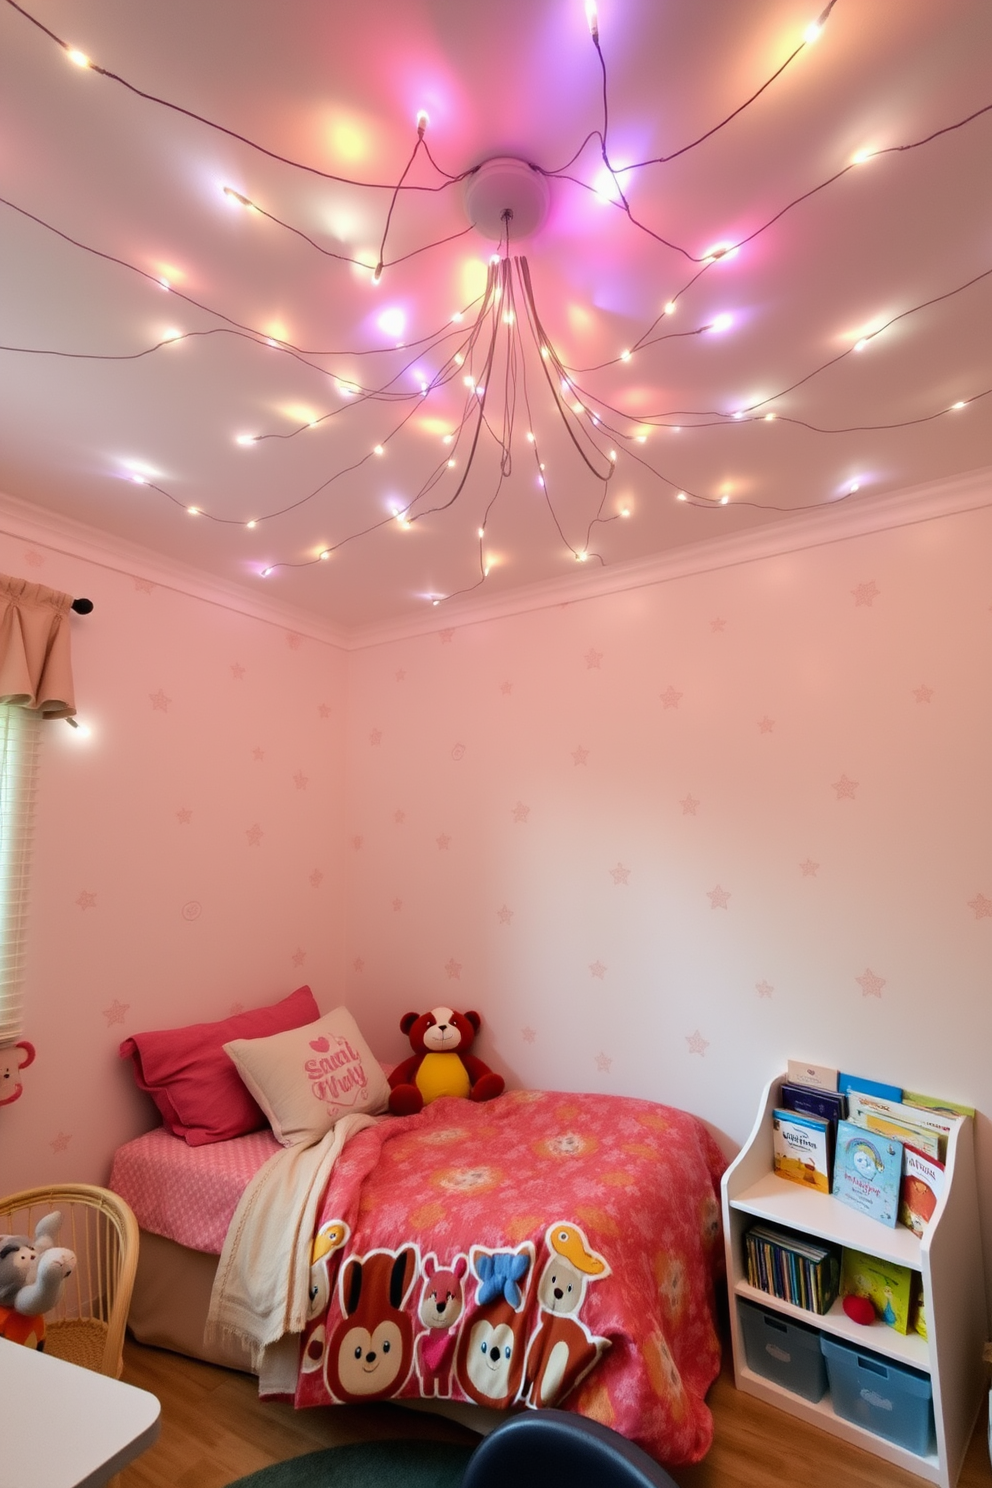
x,y
33,558
116,1012
764,989
719,898
697,1044
300,780
981,906
237,671
620,874
871,985
506,688
504,914
293,641
235,1009
143,586
258,753
375,736
399,817
358,964
446,636
453,969
458,751
60,1143
316,878
689,805
443,842
765,725
356,842
324,709
299,956
191,910
528,1035
400,674
670,698
520,812
254,834
923,693
397,905
603,1063
845,788
593,659
580,754
808,868
184,816
159,701
718,625
866,594
597,969
86,900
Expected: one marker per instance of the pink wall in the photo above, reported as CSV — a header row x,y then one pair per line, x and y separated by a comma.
x,y
155,902
666,838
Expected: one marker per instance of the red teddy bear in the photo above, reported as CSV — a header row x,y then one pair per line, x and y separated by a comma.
x,y
440,1063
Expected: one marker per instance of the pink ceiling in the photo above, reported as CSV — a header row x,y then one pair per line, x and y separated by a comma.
x,y
338,88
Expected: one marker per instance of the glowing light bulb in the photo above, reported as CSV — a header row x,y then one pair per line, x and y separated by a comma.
x,y
251,524
165,283
565,385
325,554
960,404
392,321
854,486
641,438
139,480
625,511
194,511
458,317
459,359
738,413
482,531
769,418
670,308
544,352
581,557
721,323
530,437
78,59
681,496
860,345
613,457
245,438
592,19
719,250
435,601
577,408
625,355
266,572
675,428
813,31
423,119
171,334
860,156
724,500
377,273
378,450
469,382
451,464
508,317
485,571
229,191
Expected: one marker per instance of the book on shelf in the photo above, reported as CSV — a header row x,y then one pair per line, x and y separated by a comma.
x,y
817,1076
802,1148
927,1130
932,1103
792,1268
867,1171
917,1306
846,1083
811,1101
887,1285
921,1186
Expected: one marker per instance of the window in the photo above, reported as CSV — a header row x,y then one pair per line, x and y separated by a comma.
x,y
20,732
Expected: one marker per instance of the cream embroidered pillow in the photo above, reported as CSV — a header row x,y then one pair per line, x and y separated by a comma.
x,y
307,1078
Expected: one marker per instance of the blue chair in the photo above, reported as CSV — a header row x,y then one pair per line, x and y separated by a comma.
x,y
556,1449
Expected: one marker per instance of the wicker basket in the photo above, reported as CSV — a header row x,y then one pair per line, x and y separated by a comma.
x,y
87,1326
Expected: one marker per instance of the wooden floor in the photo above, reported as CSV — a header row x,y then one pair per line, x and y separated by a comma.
x,y
214,1430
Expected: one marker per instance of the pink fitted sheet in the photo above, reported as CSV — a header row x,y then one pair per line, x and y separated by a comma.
x,y
188,1194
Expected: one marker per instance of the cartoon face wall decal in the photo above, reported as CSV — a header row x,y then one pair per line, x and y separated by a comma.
x,y
370,1352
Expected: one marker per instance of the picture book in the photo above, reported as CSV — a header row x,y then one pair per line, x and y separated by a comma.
x,y
819,1076
887,1285
829,1104
926,1141
930,1127
846,1083
802,1148
917,1306
922,1183
931,1103
867,1172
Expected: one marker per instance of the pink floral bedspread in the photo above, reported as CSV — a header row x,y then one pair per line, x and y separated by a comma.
x,y
540,1249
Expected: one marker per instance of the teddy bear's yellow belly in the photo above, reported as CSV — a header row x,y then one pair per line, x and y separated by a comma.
x,y
442,1074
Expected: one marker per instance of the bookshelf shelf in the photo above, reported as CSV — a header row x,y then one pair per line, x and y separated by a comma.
x,y
948,1259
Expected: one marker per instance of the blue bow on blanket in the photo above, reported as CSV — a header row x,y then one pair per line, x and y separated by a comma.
x,y
499,1275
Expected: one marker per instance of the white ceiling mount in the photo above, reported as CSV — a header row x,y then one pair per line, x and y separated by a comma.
x,y
506,184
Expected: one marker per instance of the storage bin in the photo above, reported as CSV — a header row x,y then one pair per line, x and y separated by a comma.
x,y
886,1398
781,1350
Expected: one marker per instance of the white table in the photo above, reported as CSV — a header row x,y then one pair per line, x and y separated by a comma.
x,y
66,1427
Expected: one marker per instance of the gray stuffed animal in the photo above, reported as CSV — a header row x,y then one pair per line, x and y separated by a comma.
x,y
32,1274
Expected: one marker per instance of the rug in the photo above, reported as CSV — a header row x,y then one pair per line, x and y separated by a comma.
x,y
382,1464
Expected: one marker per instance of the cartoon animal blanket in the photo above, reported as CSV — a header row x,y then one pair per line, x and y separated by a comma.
x,y
539,1249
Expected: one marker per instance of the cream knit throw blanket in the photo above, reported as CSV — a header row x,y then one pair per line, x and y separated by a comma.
x,y
261,1290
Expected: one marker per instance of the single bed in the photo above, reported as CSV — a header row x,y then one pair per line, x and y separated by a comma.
x,y
538,1249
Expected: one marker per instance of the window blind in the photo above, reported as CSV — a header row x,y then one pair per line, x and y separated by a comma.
x,y
20,732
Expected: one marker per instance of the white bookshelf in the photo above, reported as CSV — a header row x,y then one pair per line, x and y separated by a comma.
x,y
949,1259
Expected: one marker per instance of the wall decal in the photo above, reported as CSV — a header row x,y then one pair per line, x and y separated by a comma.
x,y
375,737
298,957
529,1035
258,753
453,969
33,558
981,906
765,725
520,812
254,834
504,915
580,755
845,788
399,817
718,897
506,688
142,586
60,1143
356,843
300,780
923,694
809,869
400,675
397,904
458,752
670,698
620,874
324,710
718,626
697,1044
316,878
445,637
870,984
237,671
184,816
191,910
443,842
358,964
593,659
597,969
293,641
116,1012
689,805
159,701
865,594
604,1063
764,989
86,900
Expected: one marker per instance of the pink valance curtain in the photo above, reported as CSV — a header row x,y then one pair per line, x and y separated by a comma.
x,y
35,665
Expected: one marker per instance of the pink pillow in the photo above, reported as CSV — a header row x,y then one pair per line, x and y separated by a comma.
x,y
192,1081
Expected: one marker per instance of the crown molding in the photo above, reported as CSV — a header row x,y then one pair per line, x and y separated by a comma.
x,y
826,525
24,522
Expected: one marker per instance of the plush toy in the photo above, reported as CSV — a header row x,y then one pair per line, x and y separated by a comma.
x,y
32,1274
13,1058
440,1063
